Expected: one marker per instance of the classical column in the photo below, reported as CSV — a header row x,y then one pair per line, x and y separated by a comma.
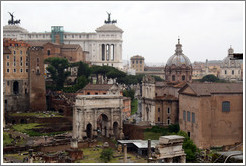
x,y
125,153
95,122
149,149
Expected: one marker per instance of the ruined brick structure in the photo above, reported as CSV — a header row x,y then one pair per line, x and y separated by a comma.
x,y
36,79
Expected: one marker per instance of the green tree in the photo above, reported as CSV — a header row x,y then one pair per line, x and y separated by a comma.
x,y
82,81
57,68
129,93
188,146
106,155
210,78
83,70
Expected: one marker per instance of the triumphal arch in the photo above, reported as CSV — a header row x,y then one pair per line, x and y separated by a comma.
x,y
98,115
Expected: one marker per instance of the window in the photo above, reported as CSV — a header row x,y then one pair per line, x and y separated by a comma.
x,y
14,64
183,78
37,59
132,62
7,56
173,77
96,93
159,110
7,63
27,70
168,110
193,117
14,70
168,121
26,64
225,72
88,93
20,52
7,70
140,62
184,115
21,70
136,62
159,119
188,134
225,106
14,52
232,72
48,52
188,116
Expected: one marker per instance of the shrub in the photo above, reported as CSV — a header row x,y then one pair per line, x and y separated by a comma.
x,y
188,146
106,155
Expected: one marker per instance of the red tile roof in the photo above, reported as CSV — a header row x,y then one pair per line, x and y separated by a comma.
x,y
101,87
204,89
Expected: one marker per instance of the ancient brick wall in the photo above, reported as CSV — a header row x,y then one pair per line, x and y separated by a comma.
x,y
37,79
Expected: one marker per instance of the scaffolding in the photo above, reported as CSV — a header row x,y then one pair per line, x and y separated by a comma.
x,y
57,30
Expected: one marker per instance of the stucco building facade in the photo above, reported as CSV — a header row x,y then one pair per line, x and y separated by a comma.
x,y
137,63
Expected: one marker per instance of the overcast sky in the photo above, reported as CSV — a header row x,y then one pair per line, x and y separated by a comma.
x,y
151,29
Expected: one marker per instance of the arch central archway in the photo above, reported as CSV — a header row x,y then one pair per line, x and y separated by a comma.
x,y
103,124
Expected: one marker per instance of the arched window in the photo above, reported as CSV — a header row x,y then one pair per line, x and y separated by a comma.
x,y
225,106
48,52
168,121
183,78
168,110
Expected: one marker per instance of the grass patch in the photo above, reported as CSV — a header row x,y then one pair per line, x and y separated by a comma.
x,y
38,115
134,106
6,139
16,156
27,128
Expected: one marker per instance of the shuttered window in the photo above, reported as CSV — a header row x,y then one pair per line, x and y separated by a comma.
x,y
225,106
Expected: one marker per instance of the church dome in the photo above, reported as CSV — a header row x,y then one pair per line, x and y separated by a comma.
x,y
178,58
229,61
